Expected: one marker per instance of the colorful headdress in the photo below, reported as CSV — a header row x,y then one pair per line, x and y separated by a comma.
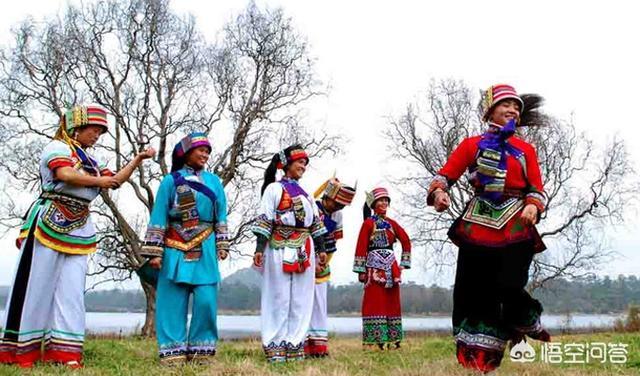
x,y
190,142
286,158
333,189
375,194
80,116
495,94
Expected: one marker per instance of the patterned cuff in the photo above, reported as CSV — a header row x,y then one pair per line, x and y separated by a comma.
x,y
359,264
153,242
438,182
317,228
262,226
538,199
223,240
405,260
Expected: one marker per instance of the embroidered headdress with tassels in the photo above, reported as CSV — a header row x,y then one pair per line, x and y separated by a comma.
x,y
182,148
496,93
287,158
337,191
77,117
375,194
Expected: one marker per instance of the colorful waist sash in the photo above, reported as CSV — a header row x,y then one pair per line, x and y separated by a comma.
x,y
382,259
65,213
61,224
288,237
489,214
188,239
184,240
295,243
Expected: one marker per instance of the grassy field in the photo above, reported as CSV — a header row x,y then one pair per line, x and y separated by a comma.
x,y
420,355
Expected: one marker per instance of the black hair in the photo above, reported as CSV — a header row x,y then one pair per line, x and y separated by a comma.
x,y
272,168
531,115
270,172
366,211
177,162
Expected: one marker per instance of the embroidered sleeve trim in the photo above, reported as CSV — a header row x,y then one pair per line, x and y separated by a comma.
x,y
153,242
317,228
537,199
223,240
405,260
60,162
262,226
359,264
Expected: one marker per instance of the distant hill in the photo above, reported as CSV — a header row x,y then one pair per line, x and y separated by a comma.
x,y
247,276
4,292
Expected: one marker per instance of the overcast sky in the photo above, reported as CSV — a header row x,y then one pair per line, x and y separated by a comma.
x,y
378,56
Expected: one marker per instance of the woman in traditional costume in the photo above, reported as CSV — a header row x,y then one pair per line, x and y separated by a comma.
x,y
377,268
46,299
186,236
332,196
289,237
496,235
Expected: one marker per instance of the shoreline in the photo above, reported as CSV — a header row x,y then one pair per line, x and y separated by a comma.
x,y
236,336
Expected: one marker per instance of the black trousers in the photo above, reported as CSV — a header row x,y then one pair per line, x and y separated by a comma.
x,y
490,289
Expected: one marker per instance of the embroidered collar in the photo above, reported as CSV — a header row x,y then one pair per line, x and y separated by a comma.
x,y
381,221
286,179
293,188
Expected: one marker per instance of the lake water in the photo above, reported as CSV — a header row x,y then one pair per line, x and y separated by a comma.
x,y
245,326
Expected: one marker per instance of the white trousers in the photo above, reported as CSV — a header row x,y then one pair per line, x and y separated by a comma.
x,y
46,302
286,305
319,327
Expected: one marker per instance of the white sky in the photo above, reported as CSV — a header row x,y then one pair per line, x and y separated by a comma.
x,y
377,56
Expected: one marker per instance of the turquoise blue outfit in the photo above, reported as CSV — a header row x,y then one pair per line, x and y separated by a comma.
x,y
186,229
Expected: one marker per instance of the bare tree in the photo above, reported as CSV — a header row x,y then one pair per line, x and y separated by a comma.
x,y
160,79
588,189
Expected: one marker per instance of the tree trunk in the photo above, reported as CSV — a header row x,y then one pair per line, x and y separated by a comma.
x,y
149,327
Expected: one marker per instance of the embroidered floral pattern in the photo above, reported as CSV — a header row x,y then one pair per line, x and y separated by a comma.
x,y
381,329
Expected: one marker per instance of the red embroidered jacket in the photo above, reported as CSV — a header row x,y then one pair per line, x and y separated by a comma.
x,y
522,179
366,243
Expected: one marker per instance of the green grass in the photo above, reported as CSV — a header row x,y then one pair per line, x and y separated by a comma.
x,y
420,355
